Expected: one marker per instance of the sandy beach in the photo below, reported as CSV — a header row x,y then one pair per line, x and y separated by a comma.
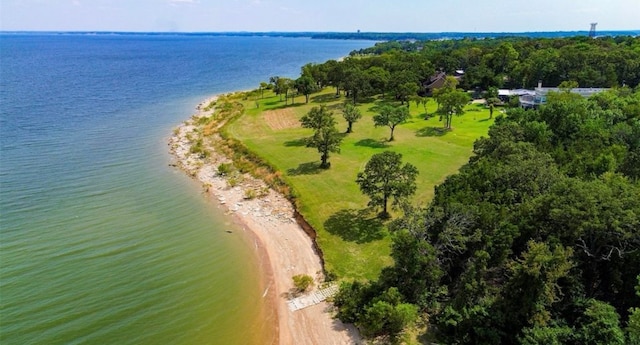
x,y
282,246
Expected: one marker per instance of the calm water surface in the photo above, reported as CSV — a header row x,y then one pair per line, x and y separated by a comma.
x,y
101,242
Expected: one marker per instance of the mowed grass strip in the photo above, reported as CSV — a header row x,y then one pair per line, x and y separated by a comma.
x,y
355,243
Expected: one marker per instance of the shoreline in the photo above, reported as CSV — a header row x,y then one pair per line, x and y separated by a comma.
x,y
282,246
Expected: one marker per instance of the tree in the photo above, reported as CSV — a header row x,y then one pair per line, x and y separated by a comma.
x,y
568,85
503,58
289,90
404,84
451,102
600,325
306,86
280,85
385,177
326,137
273,81
391,116
351,114
263,86
356,83
317,72
533,286
335,74
384,318
492,92
378,79
491,103
419,272
633,325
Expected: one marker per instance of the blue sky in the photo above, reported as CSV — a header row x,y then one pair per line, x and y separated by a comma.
x,y
318,15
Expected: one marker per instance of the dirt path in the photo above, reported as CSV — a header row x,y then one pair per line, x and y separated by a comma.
x,y
284,248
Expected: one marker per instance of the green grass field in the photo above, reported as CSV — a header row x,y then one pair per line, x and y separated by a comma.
x,y
355,243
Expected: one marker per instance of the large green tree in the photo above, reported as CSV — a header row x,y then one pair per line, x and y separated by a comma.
x,y
385,177
600,324
281,86
356,83
306,86
391,116
351,114
451,101
325,137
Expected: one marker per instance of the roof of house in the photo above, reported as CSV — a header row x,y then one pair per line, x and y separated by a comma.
x,y
435,84
583,91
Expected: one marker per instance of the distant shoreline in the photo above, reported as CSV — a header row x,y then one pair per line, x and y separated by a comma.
x,y
365,36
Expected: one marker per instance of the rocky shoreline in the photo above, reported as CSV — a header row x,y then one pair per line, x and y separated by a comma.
x,y
285,243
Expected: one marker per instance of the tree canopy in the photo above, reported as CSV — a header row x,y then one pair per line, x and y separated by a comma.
x,y
391,116
535,240
306,86
451,101
351,114
325,137
517,62
385,177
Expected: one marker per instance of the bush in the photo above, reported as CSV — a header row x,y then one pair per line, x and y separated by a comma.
x,y
198,148
250,194
210,106
234,180
302,282
225,169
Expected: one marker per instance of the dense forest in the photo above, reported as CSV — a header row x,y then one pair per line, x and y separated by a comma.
x,y
523,62
536,240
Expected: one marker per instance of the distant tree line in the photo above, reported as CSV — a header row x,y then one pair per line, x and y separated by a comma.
x,y
519,62
535,241
402,70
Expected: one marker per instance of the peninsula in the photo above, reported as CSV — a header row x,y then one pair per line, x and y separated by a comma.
x,y
282,246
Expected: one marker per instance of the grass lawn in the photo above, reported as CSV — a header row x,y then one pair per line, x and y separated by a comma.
x,y
355,243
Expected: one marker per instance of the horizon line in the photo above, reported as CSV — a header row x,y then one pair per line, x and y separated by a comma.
x,y
306,32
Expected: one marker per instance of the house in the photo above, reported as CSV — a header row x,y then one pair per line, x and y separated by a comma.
x,y
540,93
437,80
504,95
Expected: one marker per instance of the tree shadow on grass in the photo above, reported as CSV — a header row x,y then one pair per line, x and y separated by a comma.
x,y
358,226
372,143
296,142
431,132
310,168
272,103
324,98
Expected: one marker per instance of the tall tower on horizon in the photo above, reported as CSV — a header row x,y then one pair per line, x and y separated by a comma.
x,y
592,32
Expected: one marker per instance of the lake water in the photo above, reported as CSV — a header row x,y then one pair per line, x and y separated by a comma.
x,y
101,242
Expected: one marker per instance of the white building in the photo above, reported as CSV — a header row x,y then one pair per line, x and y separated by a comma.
x,y
539,95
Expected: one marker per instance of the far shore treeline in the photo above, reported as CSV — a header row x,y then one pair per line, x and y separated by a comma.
x,y
355,35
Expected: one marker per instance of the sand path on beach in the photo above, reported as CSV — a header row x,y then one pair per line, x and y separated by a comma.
x,y
281,245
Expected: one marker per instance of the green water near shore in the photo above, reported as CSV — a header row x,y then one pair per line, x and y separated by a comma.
x,y
124,243
101,241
